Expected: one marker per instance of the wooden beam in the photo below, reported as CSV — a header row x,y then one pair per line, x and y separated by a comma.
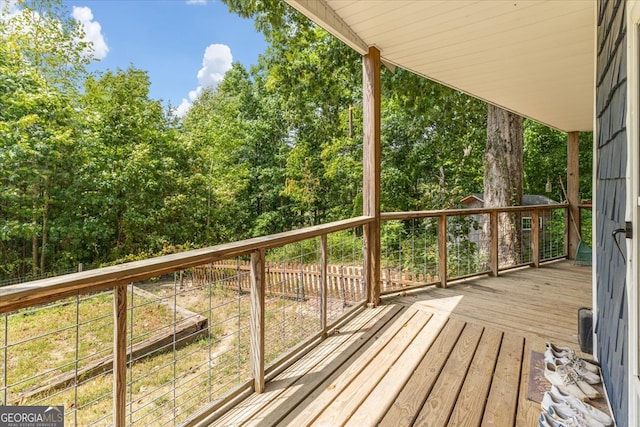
x,y
257,319
371,172
442,250
119,355
573,191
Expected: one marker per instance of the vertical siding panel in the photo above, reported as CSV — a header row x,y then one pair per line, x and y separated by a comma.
x,y
611,93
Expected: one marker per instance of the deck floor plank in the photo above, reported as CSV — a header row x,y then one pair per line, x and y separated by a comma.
x,y
323,394
373,409
502,402
471,402
458,356
349,399
344,343
408,403
437,410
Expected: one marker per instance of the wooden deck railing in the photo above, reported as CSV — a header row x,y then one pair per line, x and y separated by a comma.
x,y
117,278
492,229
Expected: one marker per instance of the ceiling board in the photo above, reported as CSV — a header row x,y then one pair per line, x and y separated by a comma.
x,y
533,57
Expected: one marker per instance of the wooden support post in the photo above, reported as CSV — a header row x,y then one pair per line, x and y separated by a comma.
x,y
323,283
257,319
442,250
371,172
493,243
535,238
119,355
573,192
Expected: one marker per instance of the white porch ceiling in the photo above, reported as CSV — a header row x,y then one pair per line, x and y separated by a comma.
x,y
533,57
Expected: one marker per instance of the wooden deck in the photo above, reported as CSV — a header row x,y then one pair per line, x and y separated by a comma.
x,y
457,356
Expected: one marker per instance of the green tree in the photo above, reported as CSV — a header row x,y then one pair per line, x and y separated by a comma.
x,y
41,62
134,186
215,129
433,138
314,79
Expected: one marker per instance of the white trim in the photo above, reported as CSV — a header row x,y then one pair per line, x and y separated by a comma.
x,y
594,191
633,134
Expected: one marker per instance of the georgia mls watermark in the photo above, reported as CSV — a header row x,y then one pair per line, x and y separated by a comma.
x,y
31,416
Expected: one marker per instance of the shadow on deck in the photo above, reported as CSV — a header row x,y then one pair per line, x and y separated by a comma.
x,y
458,356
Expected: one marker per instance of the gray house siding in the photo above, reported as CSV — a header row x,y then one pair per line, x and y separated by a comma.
x,y
611,91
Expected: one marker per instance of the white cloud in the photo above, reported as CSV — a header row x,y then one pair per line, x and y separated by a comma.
x,y
196,1
92,32
181,109
217,60
184,106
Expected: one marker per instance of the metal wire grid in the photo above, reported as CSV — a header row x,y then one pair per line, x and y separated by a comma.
x,y
410,247
292,297
514,239
552,233
206,354
175,364
345,281
56,354
410,250
467,245
409,253
73,337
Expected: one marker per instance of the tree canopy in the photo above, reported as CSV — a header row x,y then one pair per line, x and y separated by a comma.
x,y
93,170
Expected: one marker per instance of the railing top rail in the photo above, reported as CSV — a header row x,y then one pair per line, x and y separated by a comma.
x,y
388,216
26,294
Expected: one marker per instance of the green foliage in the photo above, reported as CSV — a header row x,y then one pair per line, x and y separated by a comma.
x,y
46,38
140,167
433,139
37,140
545,160
107,174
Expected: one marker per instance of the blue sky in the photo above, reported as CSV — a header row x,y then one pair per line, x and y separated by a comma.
x,y
169,38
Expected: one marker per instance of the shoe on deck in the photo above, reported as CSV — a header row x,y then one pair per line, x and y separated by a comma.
x,y
562,378
547,420
566,352
563,410
577,364
557,395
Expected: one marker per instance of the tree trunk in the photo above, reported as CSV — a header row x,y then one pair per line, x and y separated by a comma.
x,y
503,177
34,239
45,229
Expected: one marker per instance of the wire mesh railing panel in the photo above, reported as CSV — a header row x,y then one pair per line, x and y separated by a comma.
x,y
188,333
345,279
61,354
409,253
553,233
193,350
467,245
292,296
514,238
187,346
